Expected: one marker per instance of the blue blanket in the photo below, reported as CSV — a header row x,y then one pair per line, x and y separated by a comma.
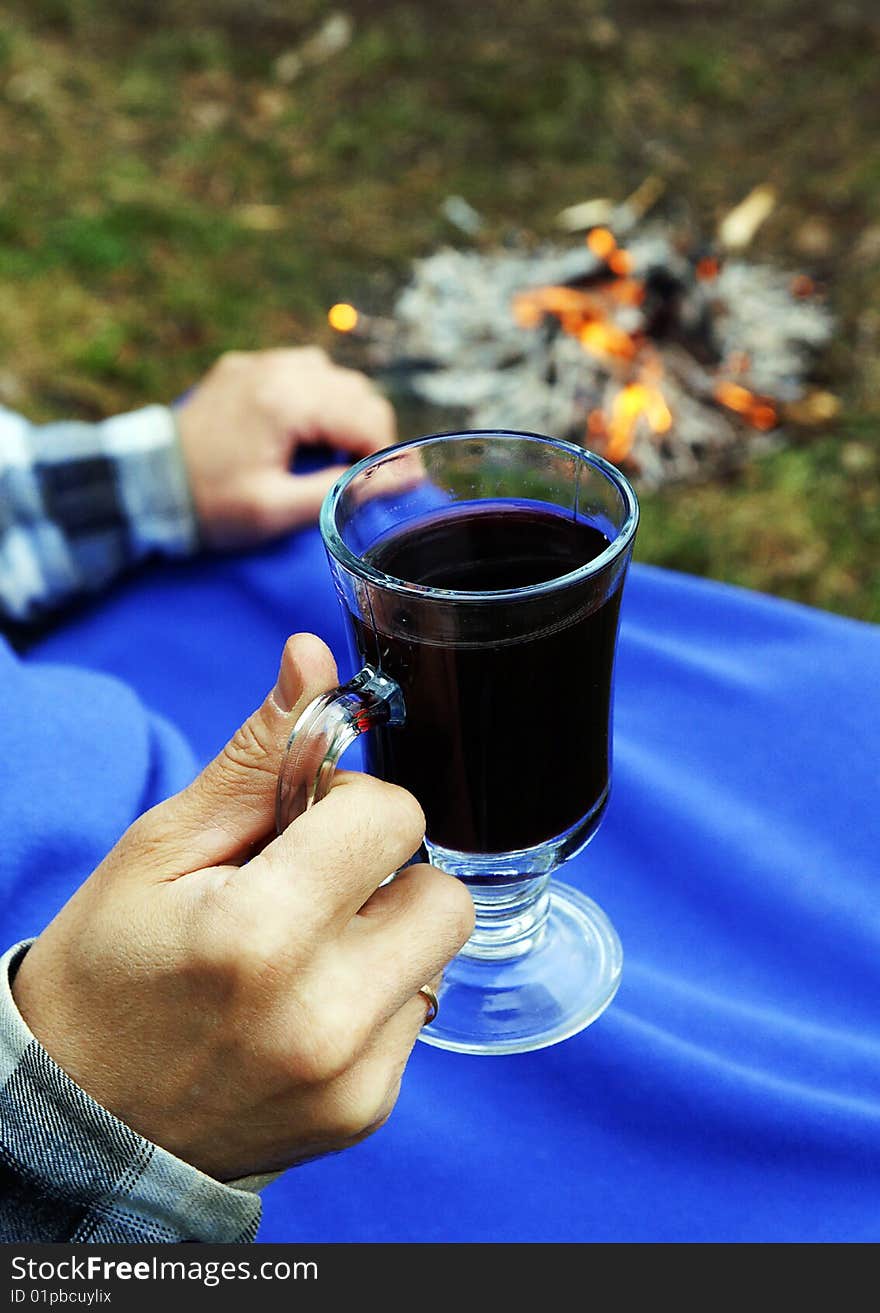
x,y
732,1090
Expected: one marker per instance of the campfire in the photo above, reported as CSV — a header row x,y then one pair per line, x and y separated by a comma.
x,y
672,360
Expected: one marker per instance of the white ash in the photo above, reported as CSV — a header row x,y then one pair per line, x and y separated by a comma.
x,y
779,332
457,314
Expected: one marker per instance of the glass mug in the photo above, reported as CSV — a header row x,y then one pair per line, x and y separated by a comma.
x,y
481,575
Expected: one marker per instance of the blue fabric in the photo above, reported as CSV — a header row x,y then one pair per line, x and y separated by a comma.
x,y
732,1090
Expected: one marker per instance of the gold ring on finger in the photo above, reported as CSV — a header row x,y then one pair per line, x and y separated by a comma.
x,y
433,1003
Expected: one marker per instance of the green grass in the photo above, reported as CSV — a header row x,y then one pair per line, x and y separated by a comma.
x,y
803,523
165,195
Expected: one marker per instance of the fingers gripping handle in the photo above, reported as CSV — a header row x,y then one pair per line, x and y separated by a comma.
x,y
325,729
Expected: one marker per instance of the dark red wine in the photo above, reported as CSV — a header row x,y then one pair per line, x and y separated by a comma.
x,y
506,742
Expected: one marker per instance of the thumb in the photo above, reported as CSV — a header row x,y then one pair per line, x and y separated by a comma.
x,y
230,806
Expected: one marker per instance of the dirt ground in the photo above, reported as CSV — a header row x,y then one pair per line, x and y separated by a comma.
x,y
181,178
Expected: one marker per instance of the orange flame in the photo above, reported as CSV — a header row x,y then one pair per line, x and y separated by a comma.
x,y
627,291
343,317
606,339
631,403
759,412
530,307
589,316
579,314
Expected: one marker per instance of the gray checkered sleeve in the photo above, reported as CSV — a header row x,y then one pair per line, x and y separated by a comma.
x,y
80,502
71,1171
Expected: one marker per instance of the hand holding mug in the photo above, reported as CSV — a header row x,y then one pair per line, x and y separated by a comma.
x,y
244,1001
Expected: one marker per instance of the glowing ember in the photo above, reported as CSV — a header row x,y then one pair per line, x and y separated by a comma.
x,y
802,285
627,291
760,412
596,424
342,317
601,242
708,268
738,362
620,262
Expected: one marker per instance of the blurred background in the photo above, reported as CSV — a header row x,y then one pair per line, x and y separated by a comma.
x,y
179,177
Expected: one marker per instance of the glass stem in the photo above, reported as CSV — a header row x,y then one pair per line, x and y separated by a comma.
x,y
511,917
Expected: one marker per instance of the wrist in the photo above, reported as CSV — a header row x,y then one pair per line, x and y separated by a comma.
x,y
65,1148
184,478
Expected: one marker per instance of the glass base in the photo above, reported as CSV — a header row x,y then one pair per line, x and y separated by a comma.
x,y
559,986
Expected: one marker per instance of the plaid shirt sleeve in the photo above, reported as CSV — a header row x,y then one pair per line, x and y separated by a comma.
x,y
79,502
71,1171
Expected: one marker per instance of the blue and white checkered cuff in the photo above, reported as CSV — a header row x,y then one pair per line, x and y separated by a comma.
x,y
81,502
71,1171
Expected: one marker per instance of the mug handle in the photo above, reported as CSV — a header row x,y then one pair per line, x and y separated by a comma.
x,y
329,725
